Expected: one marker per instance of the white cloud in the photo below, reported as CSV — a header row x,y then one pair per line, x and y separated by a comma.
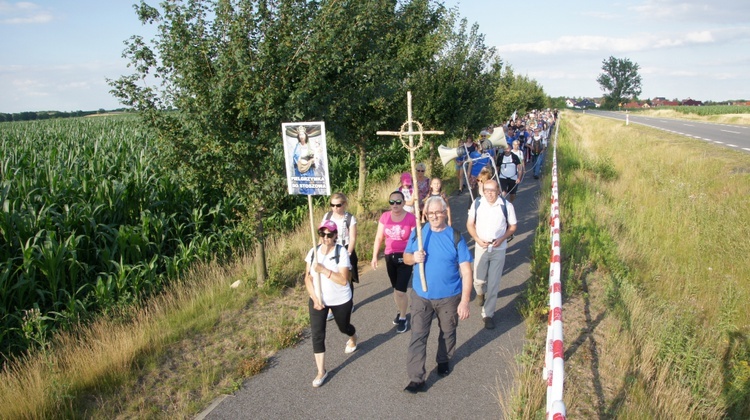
x,y
724,12
21,13
636,42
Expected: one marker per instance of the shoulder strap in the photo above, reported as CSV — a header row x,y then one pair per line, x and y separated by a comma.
x,y
312,257
347,219
476,207
335,254
505,210
328,215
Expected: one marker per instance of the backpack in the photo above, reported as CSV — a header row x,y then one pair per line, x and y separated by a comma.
x,y
336,257
347,222
505,209
456,238
514,159
536,145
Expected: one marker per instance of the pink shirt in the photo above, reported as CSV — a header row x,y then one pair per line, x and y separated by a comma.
x,y
397,233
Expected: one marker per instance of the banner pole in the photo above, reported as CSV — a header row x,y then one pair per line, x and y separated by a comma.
x,y
316,275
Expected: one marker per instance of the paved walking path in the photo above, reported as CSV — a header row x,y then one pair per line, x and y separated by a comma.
x,y
369,383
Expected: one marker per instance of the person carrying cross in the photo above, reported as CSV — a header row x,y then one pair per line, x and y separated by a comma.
x,y
447,262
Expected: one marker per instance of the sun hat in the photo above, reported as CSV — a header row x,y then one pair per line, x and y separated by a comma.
x,y
406,178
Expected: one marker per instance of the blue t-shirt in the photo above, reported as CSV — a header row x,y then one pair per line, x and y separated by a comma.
x,y
441,264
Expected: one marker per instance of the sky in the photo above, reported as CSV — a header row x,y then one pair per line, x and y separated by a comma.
x,y
58,54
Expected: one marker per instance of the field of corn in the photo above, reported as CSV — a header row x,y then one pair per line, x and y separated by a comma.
x,y
89,222
92,222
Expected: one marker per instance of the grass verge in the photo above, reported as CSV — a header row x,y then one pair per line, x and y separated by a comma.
x,y
654,234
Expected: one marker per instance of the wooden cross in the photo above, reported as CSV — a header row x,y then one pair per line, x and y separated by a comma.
x,y
411,148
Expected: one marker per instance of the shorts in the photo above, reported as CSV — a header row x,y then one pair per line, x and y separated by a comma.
x,y
507,184
398,272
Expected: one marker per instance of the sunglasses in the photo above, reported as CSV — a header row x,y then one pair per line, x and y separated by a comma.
x,y
420,170
392,202
337,205
326,234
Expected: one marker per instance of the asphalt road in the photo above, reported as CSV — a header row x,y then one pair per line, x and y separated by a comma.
x,y
369,383
727,135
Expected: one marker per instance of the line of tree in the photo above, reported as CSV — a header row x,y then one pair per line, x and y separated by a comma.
x,y
235,70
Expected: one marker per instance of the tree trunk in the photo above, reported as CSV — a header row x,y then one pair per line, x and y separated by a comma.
x,y
362,178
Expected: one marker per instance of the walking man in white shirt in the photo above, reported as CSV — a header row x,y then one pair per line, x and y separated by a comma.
x,y
491,221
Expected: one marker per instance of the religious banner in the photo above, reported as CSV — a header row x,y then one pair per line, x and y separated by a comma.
x,y
306,158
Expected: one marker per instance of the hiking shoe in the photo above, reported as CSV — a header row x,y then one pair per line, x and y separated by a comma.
x,y
480,300
403,326
414,387
444,369
330,316
489,323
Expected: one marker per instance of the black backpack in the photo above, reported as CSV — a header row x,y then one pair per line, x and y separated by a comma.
x,y
336,257
347,219
505,209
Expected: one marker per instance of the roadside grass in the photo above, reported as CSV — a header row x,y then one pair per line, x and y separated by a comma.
x,y
654,241
174,355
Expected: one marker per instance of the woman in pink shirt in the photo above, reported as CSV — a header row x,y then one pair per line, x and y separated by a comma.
x,y
395,226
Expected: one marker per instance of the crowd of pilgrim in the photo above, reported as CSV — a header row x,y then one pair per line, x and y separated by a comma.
x,y
491,173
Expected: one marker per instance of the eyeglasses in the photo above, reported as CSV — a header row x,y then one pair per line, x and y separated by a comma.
x,y
326,234
435,213
393,202
337,205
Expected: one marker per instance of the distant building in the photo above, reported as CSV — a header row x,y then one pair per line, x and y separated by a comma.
x,y
660,101
691,102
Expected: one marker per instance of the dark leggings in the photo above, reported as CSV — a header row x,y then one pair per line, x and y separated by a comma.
x,y
342,315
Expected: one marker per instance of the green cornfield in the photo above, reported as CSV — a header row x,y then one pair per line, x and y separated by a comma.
x,y
90,222
713,109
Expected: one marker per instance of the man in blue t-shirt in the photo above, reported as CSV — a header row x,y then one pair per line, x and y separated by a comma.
x,y
447,266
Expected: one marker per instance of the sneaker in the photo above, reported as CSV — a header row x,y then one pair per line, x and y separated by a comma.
x,y
395,320
403,326
330,316
318,382
480,300
444,369
414,387
489,323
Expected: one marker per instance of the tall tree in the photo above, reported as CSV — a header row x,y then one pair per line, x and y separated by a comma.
x,y
227,71
620,80
363,53
453,91
234,70
516,93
